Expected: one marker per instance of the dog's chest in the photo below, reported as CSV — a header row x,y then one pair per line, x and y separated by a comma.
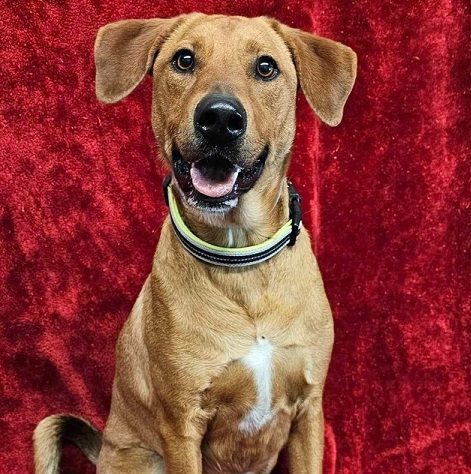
x,y
255,399
267,380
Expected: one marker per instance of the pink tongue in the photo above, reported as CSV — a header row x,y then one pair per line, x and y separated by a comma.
x,y
210,188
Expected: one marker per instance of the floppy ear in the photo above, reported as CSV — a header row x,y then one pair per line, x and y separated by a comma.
x,y
326,71
125,52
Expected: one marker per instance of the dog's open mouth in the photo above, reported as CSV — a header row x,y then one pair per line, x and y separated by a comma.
x,y
215,182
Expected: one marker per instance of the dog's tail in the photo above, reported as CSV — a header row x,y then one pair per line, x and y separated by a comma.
x,y
50,434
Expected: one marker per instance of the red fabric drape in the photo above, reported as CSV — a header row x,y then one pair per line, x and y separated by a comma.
x,y
386,196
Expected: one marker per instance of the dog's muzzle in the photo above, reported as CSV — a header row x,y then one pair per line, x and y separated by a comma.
x,y
215,168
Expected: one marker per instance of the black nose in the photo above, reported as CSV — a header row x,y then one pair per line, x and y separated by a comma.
x,y
220,119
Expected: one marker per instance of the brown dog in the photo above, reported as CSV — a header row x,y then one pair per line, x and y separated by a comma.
x,y
218,367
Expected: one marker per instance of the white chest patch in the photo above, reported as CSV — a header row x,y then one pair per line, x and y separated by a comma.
x,y
230,238
259,361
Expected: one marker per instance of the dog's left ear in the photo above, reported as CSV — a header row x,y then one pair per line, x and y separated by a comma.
x,y
326,71
125,52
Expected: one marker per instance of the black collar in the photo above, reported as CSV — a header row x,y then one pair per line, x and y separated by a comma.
x,y
235,256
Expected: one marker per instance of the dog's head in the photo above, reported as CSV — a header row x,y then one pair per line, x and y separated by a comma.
x,y
224,97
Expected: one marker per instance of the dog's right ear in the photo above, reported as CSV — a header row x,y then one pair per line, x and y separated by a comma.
x,y
125,53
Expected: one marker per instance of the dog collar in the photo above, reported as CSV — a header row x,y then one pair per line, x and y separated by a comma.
x,y
235,256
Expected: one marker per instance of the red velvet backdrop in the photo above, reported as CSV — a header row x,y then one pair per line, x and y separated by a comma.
x,y
385,196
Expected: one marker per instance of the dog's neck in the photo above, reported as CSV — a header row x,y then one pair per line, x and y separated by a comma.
x,y
254,220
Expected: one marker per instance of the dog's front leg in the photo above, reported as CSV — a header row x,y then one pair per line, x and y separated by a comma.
x,y
182,455
306,441
181,433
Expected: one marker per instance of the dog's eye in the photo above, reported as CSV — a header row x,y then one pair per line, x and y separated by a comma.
x,y
183,60
267,68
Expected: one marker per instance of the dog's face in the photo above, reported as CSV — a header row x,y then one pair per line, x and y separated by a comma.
x,y
224,107
224,97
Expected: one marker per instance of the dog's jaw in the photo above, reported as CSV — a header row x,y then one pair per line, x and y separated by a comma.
x,y
222,208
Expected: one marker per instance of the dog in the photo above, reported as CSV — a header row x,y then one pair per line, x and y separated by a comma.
x,y
222,361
